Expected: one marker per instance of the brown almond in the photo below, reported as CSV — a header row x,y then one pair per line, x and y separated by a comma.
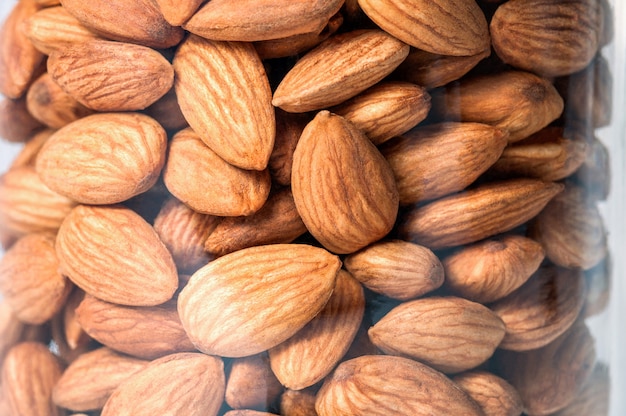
x,y
298,278
594,398
17,125
477,213
167,112
232,113
396,269
334,164
185,384
111,76
176,12
201,179
70,338
298,403
289,127
338,69
384,385
493,394
127,263
251,383
450,334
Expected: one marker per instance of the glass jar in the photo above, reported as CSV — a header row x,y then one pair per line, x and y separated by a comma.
x,y
312,208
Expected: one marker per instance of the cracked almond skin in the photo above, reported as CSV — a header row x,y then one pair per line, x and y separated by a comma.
x,y
492,393
450,334
251,383
445,27
190,384
477,213
114,254
224,307
334,165
224,94
338,69
383,385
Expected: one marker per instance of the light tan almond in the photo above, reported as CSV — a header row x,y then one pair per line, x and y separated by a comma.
x,y
200,178
298,278
450,334
189,384
29,373
28,154
334,165
111,76
255,20
386,110
177,12
493,394
384,385
112,253
17,125
276,222
289,127
89,381
445,27
111,19
251,383
338,69
311,354
224,94
491,269
53,28
146,332
594,398
396,269
103,158
439,159
298,403
542,309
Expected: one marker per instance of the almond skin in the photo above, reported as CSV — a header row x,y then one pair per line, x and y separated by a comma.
x,y
594,398
299,278
334,164
175,12
251,383
104,158
115,255
493,394
289,127
17,125
298,402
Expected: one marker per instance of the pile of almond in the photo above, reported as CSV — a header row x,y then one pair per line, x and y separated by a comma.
x,y
304,207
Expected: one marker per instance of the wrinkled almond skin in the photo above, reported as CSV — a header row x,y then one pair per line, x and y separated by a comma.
x,y
201,179
232,112
251,383
493,394
115,255
338,69
87,383
450,334
180,384
103,158
384,385
298,278
17,125
334,164
396,269
111,76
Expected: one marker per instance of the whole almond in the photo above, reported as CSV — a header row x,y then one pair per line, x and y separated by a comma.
x,y
179,384
232,113
70,338
334,164
127,263
214,187
103,158
477,213
491,269
177,12
17,125
338,69
28,154
289,127
298,278
493,394
167,112
251,383
439,159
450,334
146,332
255,20
12,330
111,76
89,381
396,269
298,403
311,354
445,27
384,385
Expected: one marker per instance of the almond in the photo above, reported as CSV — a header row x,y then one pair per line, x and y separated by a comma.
x,y
334,164
11,328
224,94
251,383
17,125
449,334
115,255
384,385
298,278
493,394
594,175
289,127
28,154
594,398
338,69
167,112
104,158
396,269
445,27
298,403
185,384
175,12
214,187
599,283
